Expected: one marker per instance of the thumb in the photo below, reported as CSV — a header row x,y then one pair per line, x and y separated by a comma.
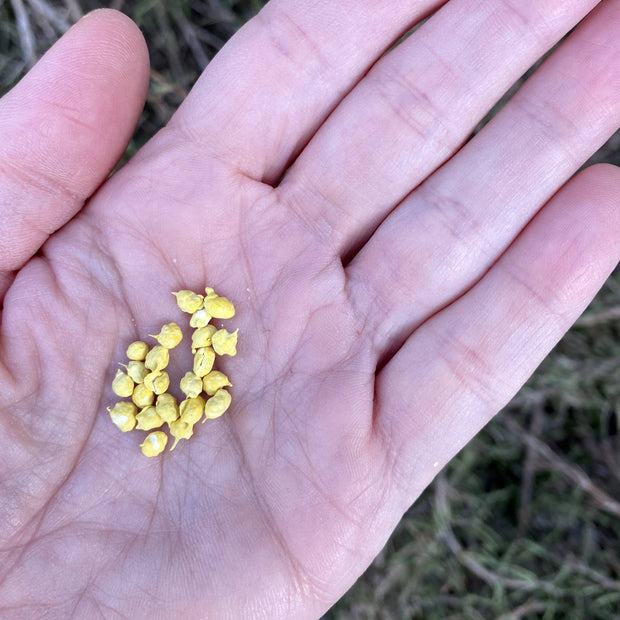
x,y
64,127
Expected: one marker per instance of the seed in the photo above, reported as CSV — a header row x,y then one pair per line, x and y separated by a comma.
x,y
137,350
169,336
136,370
192,409
217,404
142,396
213,381
202,337
150,378
123,414
157,382
167,408
157,358
200,318
191,385
224,342
122,385
148,419
154,443
219,307
188,301
180,430
203,361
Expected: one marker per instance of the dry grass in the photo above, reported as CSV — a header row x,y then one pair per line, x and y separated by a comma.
x,y
525,522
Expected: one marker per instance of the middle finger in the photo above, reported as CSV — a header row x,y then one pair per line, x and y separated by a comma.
x,y
415,108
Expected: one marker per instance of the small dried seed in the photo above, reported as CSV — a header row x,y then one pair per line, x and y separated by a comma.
x,y
200,318
202,337
180,430
217,404
148,419
157,358
136,370
142,396
122,385
154,443
137,351
224,342
188,301
213,381
169,336
219,307
203,361
158,381
123,414
192,409
167,407
191,385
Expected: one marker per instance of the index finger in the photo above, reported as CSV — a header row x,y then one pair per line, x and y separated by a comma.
x,y
265,94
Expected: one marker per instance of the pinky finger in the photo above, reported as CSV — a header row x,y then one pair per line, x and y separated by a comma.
x,y
463,365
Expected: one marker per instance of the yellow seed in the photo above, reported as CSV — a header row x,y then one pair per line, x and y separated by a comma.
x,y
200,318
123,414
157,382
224,342
122,385
203,361
137,351
191,385
169,336
202,337
192,409
157,358
213,381
167,408
180,430
154,443
142,396
136,370
219,307
150,378
188,301
217,404
148,419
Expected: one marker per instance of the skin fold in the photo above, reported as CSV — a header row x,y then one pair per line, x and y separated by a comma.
x,y
395,284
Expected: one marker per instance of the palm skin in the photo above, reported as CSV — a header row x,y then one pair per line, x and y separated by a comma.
x,y
257,500
340,416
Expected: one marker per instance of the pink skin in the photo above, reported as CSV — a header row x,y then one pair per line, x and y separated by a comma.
x,y
393,291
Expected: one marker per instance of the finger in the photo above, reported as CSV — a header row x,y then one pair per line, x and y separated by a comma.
x,y
465,363
65,126
415,108
269,89
445,236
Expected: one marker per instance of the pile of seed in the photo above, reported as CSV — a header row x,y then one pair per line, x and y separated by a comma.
x,y
145,381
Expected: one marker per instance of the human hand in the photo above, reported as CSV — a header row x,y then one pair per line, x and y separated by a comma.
x,y
388,305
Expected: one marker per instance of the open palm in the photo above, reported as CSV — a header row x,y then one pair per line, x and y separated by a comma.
x,y
394,288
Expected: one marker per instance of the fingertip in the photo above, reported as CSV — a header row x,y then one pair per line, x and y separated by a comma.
x,y
597,187
122,37
606,174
